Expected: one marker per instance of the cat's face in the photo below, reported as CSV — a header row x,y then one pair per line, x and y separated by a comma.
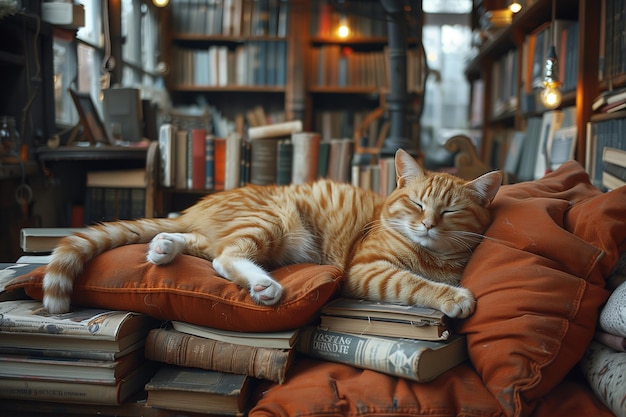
x,y
438,211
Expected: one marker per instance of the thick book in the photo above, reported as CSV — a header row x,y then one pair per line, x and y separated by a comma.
x,y
96,355
43,239
384,319
274,340
418,360
264,161
123,178
27,324
199,390
305,157
180,166
176,348
198,160
274,130
77,392
70,369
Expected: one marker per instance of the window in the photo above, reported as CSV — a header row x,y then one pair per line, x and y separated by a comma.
x,y
447,40
79,62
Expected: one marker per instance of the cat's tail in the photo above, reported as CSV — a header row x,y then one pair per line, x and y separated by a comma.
x,y
74,251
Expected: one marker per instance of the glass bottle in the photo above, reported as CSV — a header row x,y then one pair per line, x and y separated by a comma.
x,y
9,140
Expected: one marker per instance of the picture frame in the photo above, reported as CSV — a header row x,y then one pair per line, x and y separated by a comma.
x,y
90,119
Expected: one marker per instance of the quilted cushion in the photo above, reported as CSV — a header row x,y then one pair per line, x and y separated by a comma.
x,y
188,289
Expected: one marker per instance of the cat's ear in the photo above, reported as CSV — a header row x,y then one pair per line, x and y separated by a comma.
x,y
487,185
407,167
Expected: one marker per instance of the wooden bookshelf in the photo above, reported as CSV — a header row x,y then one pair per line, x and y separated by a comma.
x,y
515,36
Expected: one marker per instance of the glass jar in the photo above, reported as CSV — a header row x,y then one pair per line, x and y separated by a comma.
x,y
9,140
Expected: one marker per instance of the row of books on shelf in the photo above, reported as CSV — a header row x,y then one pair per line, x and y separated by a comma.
x,y
325,19
185,367
117,194
273,154
612,57
255,63
339,66
230,17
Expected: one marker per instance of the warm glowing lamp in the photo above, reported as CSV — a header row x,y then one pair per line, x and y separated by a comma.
x,y
343,31
515,6
160,3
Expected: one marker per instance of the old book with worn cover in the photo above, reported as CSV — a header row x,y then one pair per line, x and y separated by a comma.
x,y
27,324
199,390
276,340
46,368
384,319
77,392
176,348
418,360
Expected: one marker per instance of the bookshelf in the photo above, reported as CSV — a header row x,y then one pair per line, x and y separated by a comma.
x,y
506,85
349,76
220,50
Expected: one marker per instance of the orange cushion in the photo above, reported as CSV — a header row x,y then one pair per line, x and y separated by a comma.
x,y
317,388
189,290
539,282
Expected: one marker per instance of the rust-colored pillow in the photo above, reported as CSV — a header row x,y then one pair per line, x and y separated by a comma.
x,y
189,290
317,388
539,281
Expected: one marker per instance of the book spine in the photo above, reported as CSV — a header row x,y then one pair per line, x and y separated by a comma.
x,y
305,157
283,162
209,163
365,352
175,348
219,164
198,161
166,150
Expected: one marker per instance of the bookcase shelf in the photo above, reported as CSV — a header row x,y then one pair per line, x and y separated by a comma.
x,y
582,22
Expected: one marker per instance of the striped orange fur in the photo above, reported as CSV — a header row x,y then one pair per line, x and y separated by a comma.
x,y
409,248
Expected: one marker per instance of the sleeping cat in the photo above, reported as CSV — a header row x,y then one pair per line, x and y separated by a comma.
x,y
409,248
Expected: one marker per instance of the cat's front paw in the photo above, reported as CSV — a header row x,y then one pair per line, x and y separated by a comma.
x,y
164,247
266,291
460,305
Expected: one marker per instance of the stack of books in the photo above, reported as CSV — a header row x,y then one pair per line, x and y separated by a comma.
x,y
87,356
210,370
412,342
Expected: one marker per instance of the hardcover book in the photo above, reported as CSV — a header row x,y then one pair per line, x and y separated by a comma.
x,y
418,360
77,392
26,324
43,239
70,369
198,390
274,340
176,348
384,319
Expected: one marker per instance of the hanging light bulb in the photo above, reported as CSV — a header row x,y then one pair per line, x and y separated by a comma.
x,y
160,3
551,94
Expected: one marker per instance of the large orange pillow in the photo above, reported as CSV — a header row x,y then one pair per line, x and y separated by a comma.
x,y
538,277
189,290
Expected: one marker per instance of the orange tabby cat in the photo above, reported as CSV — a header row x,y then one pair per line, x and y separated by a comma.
x,y
409,248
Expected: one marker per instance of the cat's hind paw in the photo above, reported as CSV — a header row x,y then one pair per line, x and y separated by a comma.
x,y
461,305
164,247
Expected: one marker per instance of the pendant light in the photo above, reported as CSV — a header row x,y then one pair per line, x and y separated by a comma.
x,y
551,94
